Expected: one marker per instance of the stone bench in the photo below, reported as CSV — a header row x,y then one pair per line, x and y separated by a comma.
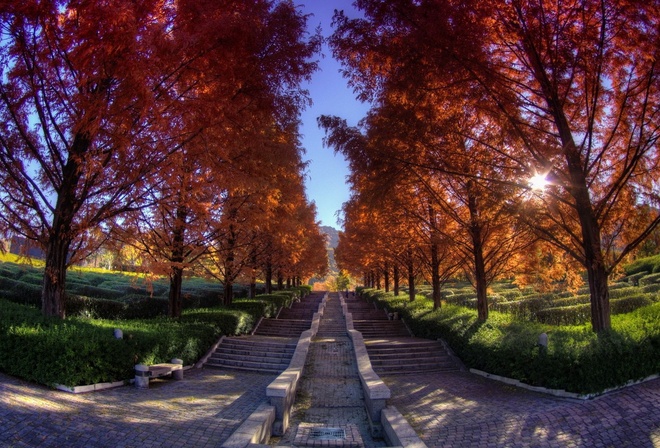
x,y
143,372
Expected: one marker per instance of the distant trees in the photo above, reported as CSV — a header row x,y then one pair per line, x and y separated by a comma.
x,y
145,117
495,93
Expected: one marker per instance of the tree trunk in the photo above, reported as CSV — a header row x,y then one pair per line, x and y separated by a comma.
x,y
395,275
53,288
269,278
252,293
435,261
228,296
386,278
280,281
60,237
435,277
478,254
411,277
578,189
175,305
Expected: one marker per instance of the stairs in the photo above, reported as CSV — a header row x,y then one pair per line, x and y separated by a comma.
x,y
381,328
271,355
392,349
271,346
283,328
409,355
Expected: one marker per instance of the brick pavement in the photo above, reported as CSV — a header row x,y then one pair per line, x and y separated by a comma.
x,y
202,410
459,409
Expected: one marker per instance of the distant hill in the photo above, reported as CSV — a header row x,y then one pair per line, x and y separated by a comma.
x,y
331,242
332,236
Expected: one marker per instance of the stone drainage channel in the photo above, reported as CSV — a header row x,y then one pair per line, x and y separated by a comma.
x,y
321,401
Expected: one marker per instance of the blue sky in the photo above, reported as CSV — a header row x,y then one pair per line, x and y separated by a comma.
x,y
326,174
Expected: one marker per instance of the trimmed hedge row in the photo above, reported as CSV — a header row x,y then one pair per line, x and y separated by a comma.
x,y
84,351
577,359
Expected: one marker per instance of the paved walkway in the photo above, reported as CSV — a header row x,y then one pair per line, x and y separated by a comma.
x,y
459,409
454,409
329,393
202,410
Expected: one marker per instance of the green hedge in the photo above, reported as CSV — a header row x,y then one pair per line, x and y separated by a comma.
x,y
84,351
577,359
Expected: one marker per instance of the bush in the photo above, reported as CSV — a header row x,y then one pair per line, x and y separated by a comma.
x,y
130,307
649,279
509,347
255,307
281,299
643,265
84,351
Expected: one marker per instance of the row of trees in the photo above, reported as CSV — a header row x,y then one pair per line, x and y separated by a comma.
x,y
171,126
502,134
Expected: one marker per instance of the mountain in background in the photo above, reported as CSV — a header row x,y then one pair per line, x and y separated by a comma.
x,y
331,242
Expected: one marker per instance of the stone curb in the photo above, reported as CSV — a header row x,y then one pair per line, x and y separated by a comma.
x,y
255,430
397,430
559,392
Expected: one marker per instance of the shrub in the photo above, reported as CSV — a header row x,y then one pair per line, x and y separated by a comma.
x,y
280,299
255,308
649,279
506,346
84,351
130,307
643,265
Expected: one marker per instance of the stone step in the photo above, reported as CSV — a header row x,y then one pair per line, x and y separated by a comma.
x,y
254,352
261,343
268,359
246,365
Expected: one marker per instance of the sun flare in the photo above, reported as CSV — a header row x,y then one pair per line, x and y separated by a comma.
x,y
538,182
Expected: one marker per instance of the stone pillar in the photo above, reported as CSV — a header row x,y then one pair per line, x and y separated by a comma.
x,y
177,374
142,376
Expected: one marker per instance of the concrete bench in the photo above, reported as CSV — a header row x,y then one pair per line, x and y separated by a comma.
x,y
143,372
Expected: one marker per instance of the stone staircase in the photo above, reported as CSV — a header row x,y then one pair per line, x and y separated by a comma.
x,y
409,355
381,329
392,348
263,354
272,344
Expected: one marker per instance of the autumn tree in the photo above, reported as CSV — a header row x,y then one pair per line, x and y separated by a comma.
x,y
79,107
238,70
574,84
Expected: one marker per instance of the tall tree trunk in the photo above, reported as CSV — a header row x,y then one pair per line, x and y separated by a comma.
x,y
435,277
395,278
411,277
386,278
379,285
594,261
280,281
269,278
435,261
175,305
478,254
53,289
228,296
